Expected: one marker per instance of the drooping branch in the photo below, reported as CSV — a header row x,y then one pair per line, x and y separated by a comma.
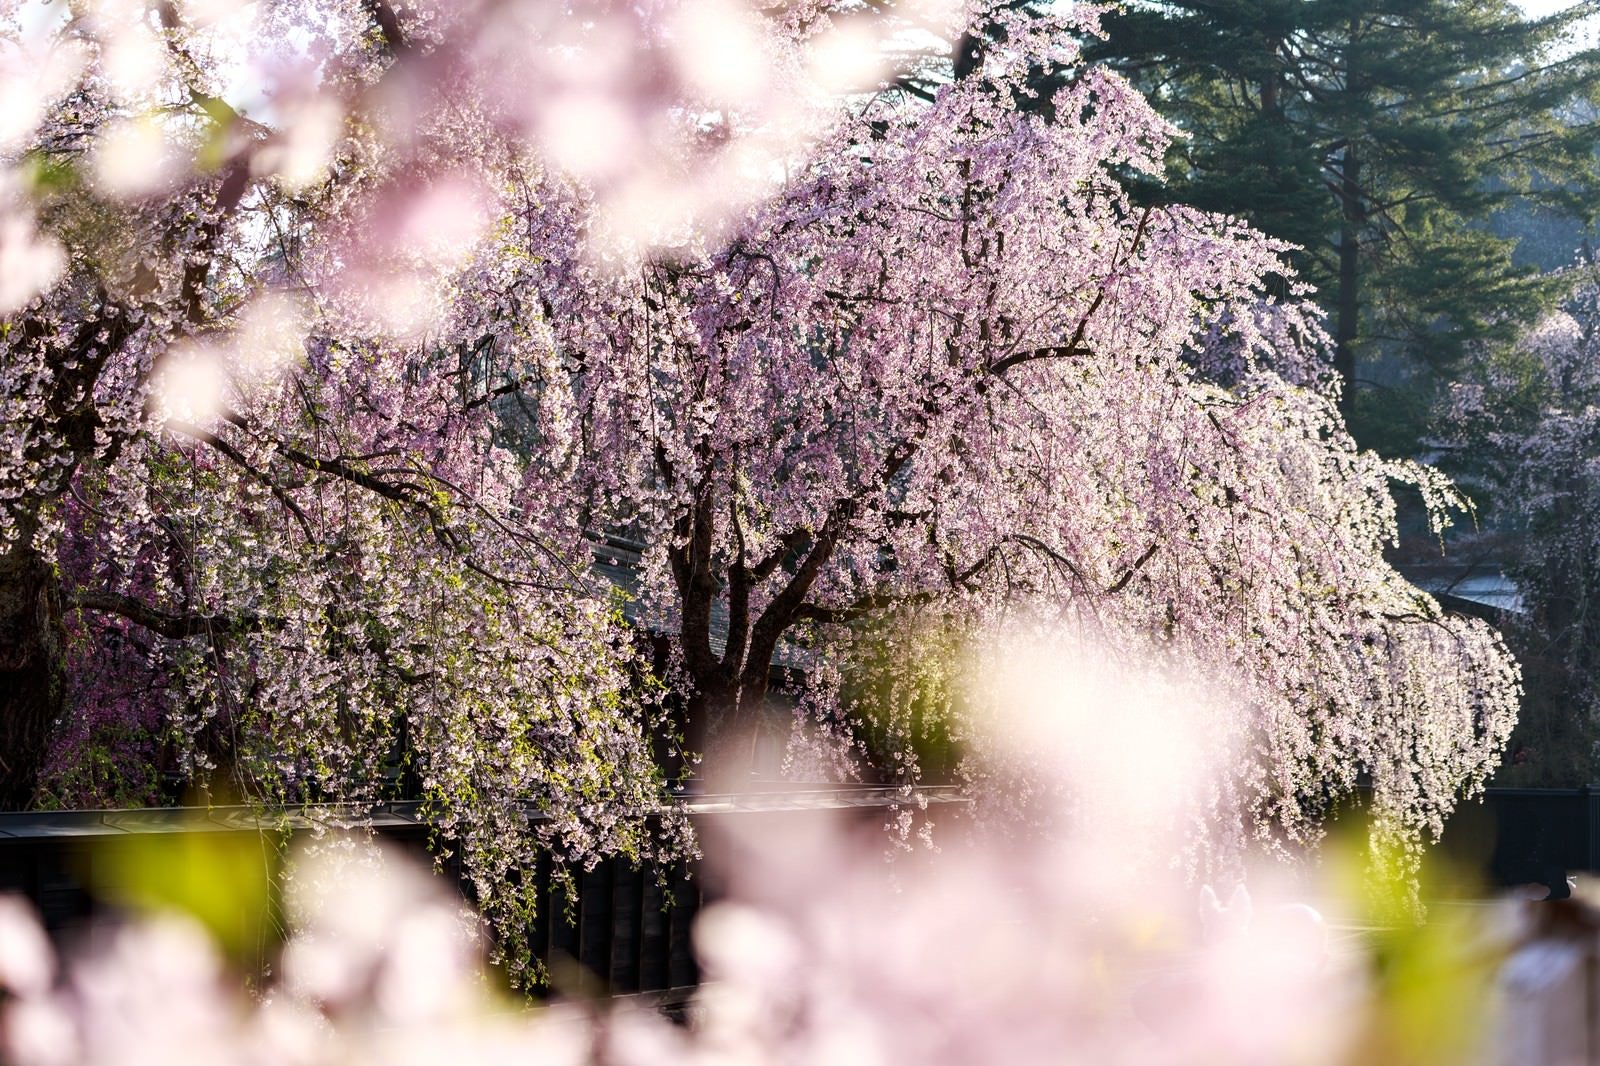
x,y
865,607
237,457
174,626
407,493
1138,564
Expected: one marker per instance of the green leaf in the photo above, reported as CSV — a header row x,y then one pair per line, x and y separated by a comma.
x,y
224,879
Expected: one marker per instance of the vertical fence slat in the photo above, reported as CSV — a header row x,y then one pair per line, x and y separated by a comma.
x,y
539,935
626,899
654,928
681,968
1591,810
594,929
563,932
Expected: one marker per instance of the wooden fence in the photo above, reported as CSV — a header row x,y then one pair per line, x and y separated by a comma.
x,y
626,932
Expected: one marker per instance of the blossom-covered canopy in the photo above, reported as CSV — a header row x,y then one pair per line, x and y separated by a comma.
x,y
335,334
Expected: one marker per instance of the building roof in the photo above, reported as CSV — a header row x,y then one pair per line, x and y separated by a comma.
x,y
401,816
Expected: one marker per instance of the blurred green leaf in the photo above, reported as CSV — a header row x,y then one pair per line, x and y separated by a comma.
x,y
1433,971
225,880
46,174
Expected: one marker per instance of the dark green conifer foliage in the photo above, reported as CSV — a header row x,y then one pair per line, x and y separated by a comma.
x,y
1378,135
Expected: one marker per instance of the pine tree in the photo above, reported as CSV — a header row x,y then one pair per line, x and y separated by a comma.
x,y
1377,135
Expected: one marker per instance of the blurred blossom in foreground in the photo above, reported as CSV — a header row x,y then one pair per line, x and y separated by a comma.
x,y
699,104
134,158
992,949
396,259
196,381
192,384
34,76
1076,724
29,262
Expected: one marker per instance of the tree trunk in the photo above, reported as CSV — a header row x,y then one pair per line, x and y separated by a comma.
x,y
1347,326
1354,217
1272,82
31,672
721,717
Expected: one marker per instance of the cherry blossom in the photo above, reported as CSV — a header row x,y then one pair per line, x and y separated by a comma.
x,y
950,375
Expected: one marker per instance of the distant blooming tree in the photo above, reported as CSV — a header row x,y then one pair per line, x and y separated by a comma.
x,y
1524,429
317,392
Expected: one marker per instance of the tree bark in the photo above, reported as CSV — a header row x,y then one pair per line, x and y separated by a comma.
x,y
1272,82
1347,325
1354,218
31,672
719,718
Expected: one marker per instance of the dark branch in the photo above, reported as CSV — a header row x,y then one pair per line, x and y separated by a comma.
x,y
168,624
278,491
389,25
1127,575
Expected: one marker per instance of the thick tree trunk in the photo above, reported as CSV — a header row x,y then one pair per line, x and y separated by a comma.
x,y
719,720
31,672
700,709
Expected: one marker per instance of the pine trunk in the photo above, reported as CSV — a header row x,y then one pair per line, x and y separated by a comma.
x,y
1349,309
1354,218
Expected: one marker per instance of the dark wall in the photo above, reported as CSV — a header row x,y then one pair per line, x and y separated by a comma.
x,y
1518,835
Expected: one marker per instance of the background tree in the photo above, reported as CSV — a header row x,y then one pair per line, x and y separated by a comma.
x,y
1524,431
1378,136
